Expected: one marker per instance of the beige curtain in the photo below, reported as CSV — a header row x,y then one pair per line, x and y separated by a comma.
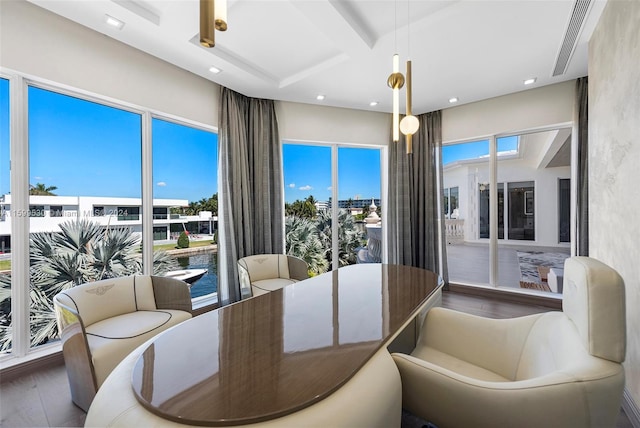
x,y
250,180
416,220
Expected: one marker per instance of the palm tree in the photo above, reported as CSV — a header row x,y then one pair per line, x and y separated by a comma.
x,y
302,241
210,204
81,252
349,236
298,208
42,190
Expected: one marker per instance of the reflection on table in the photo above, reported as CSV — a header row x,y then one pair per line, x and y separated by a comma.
x,y
280,352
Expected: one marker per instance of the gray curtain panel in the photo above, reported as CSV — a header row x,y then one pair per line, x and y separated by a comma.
x,y
250,185
582,209
416,220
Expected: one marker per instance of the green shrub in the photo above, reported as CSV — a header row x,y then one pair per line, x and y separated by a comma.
x,y
183,240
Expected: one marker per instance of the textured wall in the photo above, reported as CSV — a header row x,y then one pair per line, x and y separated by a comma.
x,y
614,160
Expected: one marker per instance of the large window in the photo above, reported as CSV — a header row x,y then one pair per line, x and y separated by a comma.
x,y
128,213
80,151
328,192
83,205
5,220
308,198
359,185
466,170
451,202
185,183
531,210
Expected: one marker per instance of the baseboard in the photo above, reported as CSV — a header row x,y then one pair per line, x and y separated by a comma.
x,y
22,369
631,409
509,296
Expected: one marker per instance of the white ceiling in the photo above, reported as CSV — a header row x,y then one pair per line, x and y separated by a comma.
x,y
296,49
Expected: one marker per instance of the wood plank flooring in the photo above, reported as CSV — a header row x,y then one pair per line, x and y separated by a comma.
x,y
42,399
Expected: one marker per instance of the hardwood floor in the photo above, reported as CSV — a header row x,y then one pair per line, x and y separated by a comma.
x,y
42,399
39,399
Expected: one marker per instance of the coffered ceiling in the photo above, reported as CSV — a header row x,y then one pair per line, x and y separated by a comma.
x,y
295,50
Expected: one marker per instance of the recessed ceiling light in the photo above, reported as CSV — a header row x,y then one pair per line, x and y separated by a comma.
x,y
453,100
214,70
110,20
373,103
320,97
530,81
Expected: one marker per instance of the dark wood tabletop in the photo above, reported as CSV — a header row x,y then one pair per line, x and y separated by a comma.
x,y
274,354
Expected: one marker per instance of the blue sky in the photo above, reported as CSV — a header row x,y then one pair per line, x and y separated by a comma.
x,y
88,149
184,161
83,148
4,137
307,171
475,149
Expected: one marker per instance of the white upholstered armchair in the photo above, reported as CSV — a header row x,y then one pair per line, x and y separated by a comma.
x,y
557,369
262,273
101,322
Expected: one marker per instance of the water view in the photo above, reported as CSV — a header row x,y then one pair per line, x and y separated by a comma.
x,y
209,282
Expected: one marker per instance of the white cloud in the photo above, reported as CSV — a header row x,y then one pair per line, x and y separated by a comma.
x,y
161,183
307,187
292,185
329,188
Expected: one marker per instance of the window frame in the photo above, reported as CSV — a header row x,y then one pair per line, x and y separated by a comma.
x,y
19,84
493,196
384,156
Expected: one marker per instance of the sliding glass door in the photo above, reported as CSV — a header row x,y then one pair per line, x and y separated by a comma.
x,y
329,191
530,174
466,170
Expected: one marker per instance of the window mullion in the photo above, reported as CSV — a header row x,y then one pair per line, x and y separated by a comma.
x,y
493,212
335,209
147,195
19,149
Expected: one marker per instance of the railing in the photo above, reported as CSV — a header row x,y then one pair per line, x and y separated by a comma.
x,y
454,231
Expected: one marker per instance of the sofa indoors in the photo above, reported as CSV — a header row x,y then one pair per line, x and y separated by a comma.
x,y
101,322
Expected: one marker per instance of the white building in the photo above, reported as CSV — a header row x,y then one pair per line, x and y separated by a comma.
x,y
533,192
46,213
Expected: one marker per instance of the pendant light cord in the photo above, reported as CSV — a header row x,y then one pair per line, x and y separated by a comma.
x,y
395,25
408,31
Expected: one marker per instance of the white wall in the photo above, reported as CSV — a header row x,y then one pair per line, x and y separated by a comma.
x,y
307,122
614,155
534,108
